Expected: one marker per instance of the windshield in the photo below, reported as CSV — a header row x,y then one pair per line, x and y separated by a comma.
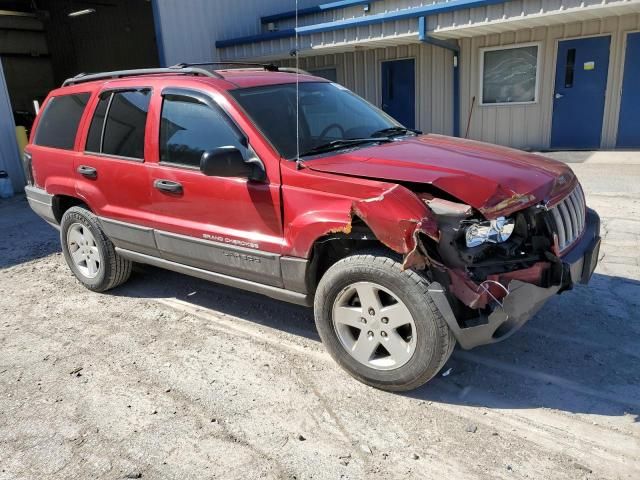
x,y
328,113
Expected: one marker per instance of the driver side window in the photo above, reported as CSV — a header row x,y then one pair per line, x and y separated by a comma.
x,y
189,127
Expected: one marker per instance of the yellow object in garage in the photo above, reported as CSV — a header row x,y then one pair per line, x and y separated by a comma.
x,y
21,136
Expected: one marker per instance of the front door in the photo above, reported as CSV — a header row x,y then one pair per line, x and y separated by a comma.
x,y
399,91
629,122
230,226
581,84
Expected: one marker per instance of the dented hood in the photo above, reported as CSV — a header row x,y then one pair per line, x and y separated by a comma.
x,y
495,180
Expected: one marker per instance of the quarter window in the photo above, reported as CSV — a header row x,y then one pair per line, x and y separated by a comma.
x,y
58,125
509,75
189,127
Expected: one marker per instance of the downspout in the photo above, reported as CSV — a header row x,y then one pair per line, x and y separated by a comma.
x,y
155,8
453,46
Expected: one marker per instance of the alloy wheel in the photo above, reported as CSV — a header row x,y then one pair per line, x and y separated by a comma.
x,y
83,250
374,326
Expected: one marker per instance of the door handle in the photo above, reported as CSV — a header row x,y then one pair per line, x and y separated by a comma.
x,y
559,95
168,186
88,172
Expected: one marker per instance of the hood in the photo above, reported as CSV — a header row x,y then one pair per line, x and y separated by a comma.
x,y
494,180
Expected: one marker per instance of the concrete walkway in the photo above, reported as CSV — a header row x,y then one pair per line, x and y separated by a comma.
x,y
620,157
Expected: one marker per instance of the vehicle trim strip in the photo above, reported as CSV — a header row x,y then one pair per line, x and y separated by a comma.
x,y
268,290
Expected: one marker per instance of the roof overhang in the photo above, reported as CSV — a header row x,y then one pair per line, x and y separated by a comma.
x,y
543,19
312,41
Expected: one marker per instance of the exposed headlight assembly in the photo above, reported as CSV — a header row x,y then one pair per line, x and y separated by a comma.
x,y
492,231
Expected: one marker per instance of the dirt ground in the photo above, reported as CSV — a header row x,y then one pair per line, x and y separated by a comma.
x,y
170,377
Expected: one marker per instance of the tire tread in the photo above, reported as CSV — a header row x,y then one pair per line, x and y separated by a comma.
x,y
370,263
118,269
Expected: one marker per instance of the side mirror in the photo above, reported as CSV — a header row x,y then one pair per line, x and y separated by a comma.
x,y
229,162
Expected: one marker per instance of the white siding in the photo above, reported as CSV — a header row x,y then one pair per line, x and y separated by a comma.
x,y
377,7
360,72
529,126
512,15
525,14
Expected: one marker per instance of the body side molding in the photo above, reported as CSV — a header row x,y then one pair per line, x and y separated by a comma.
x,y
129,236
268,290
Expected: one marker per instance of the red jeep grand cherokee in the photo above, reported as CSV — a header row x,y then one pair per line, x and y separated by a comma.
x,y
403,243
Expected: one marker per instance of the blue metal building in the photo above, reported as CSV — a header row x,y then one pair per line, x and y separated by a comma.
x,y
534,74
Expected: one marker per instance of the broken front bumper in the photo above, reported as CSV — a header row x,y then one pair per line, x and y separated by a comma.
x,y
525,299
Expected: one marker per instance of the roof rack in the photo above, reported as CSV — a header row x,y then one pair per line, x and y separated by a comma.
x,y
293,70
181,68
184,70
269,67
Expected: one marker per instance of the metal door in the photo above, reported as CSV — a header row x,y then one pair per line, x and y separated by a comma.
x,y
629,121
581,83
399,90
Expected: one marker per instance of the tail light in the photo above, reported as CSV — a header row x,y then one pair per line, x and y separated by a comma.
x,y
28,168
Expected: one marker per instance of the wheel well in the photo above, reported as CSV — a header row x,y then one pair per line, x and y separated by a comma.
x,y
332,248
62,203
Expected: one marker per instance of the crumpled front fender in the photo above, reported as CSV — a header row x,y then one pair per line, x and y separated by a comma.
x,y
396,217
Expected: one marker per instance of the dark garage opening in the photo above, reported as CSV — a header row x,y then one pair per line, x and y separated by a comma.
x,y
44,42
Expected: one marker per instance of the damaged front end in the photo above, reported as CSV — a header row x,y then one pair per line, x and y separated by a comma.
x,y
486,291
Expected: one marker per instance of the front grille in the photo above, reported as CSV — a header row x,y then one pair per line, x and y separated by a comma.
x,y
569,216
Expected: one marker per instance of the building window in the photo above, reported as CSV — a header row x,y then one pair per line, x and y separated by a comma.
x,y
509,75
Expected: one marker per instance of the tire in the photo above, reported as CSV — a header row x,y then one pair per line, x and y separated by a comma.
x,y
81,236
420,347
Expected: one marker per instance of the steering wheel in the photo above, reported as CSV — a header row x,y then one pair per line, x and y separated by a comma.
x,y
328,128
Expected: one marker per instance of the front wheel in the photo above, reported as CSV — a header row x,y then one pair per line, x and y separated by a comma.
x,y
380,323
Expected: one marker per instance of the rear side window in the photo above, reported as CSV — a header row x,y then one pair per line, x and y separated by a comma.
x,y
118,124
94,139
58,125
189,128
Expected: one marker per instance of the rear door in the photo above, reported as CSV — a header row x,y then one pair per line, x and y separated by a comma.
x,y
111,174
231,226
54,142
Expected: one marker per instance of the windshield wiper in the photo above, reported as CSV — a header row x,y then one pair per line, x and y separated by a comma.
x,y
342,143
391,131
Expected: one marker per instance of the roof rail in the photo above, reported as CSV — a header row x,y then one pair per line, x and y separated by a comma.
x,y
269,67
84,77
294,70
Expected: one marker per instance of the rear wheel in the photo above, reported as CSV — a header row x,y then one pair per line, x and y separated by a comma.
x,y
89,253
379,322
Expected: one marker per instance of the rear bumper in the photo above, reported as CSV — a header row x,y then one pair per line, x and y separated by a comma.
x,y
525,299
41,203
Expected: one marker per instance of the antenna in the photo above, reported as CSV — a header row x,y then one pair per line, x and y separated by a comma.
x,y
298,161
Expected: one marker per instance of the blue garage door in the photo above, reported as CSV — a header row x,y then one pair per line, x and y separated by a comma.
x,y
629,122
399,91
581,84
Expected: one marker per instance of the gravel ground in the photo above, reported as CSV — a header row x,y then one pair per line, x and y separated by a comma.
x,y
172,377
